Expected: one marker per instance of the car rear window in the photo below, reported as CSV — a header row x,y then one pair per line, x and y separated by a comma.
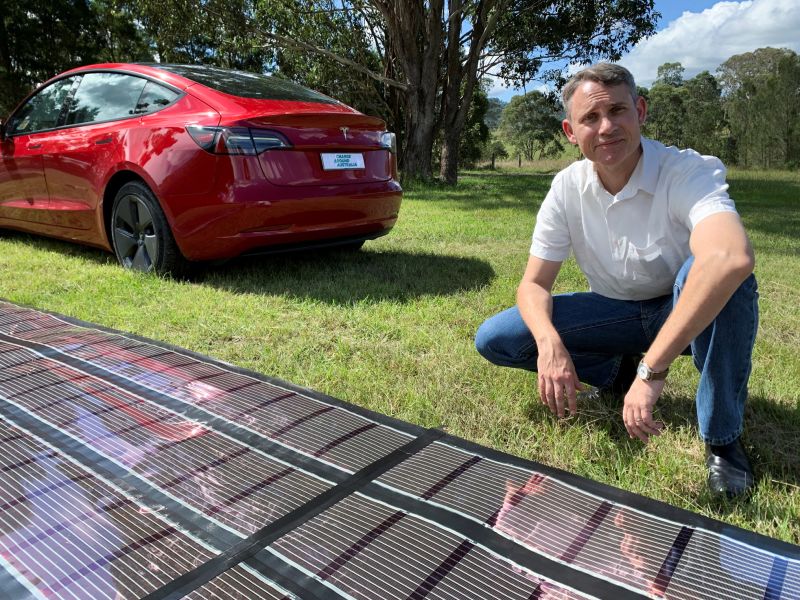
x,y
247,85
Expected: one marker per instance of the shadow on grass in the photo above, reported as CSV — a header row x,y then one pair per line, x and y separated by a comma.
x,y
345,277
47,244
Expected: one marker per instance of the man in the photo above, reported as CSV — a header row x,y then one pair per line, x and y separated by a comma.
x,y
669,266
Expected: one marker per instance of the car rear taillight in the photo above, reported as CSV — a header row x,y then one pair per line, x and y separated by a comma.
x,y
389,141
236,140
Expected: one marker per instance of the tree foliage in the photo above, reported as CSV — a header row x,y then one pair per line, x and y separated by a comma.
x,y
531,125
761,91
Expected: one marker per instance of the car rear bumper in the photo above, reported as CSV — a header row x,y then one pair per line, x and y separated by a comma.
x,y
248,220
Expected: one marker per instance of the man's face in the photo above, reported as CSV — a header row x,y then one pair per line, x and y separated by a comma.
x,y
604,122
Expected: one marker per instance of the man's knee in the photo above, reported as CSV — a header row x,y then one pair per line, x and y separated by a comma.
x,y
483,340
505,340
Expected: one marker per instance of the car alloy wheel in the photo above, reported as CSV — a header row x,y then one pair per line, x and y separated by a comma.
x,y
140,233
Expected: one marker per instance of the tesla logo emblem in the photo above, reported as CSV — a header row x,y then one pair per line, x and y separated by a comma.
x,y
344,131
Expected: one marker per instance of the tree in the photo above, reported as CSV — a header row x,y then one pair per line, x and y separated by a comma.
x,y
666,114
704,119
494,112
532,123
760,91
522,36
495,149
670,74
40,38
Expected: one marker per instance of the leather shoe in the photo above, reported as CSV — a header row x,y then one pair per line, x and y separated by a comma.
x,y
729,470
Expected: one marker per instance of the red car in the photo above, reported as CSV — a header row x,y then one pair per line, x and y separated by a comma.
x,y
168,164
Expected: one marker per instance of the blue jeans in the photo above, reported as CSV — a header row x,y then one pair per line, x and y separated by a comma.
x,y
598,331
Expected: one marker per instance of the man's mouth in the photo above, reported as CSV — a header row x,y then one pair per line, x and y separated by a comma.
x,y
609,143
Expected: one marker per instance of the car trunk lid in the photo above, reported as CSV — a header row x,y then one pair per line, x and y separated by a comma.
x,y
326,149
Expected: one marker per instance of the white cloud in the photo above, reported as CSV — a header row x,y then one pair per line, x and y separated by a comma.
x,y
703,41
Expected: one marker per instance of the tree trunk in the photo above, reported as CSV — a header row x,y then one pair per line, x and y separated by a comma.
x,y
415,32
462,78
415,158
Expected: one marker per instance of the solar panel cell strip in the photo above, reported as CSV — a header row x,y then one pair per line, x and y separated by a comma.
x,y
622,549
315,548
262,538
344,438
66,503
354,549
261,405
776,579
671,561
712,567
240,583
588,530
408,551
328,532
441,571
546,530
250,410
439,485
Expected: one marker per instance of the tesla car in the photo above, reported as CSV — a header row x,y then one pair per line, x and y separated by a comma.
x,y
169,164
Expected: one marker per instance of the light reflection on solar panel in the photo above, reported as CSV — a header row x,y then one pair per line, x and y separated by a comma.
x,y
72,535
356,538
240,488
123,398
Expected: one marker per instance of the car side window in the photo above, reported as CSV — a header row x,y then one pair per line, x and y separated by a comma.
x,y
41,111
104,97
154,97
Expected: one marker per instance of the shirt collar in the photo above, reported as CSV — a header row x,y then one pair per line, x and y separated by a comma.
x,y
645,176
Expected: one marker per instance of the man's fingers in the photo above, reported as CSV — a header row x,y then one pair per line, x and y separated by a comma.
x,y
572,398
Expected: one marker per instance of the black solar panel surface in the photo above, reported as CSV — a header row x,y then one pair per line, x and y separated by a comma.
x,y
131,470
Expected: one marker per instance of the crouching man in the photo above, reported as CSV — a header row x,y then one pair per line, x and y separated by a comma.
x,y
669,266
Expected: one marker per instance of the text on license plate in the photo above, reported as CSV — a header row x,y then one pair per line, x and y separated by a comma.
x,y
334,161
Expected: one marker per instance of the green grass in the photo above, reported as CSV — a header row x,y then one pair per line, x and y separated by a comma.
x,y
391,329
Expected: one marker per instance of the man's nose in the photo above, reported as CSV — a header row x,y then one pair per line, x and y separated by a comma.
x,y
606,124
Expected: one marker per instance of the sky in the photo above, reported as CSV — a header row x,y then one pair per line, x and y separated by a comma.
x,y
702,34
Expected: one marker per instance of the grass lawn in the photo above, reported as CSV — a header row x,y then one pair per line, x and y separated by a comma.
x,y
391,327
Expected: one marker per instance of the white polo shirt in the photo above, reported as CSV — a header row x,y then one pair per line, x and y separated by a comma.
x,y
631,245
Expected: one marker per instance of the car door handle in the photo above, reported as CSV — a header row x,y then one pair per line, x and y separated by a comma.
x,y
103,141
34,146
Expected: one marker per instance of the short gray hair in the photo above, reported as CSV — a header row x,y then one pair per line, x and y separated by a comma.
x,y
605,73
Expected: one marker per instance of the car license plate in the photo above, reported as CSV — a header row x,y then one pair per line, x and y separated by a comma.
x,y
337,162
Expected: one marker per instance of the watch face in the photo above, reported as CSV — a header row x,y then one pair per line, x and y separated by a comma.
x,y
643,372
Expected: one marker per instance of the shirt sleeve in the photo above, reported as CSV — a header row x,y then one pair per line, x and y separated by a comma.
x,y
701,191
551,239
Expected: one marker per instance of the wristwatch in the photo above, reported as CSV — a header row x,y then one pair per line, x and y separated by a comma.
x,y
647,374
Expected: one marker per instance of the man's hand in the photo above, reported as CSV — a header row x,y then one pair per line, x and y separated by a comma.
x,y
637,413
558,381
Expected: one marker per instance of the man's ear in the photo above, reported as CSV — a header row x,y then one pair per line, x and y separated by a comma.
x,y
641,109
567,127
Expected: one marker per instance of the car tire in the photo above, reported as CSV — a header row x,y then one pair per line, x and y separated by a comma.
x,y
140,233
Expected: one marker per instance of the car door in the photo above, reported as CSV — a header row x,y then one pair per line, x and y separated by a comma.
x,y
101,111
23,190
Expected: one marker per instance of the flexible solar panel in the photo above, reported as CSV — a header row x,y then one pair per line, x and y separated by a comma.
x,y
131,469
